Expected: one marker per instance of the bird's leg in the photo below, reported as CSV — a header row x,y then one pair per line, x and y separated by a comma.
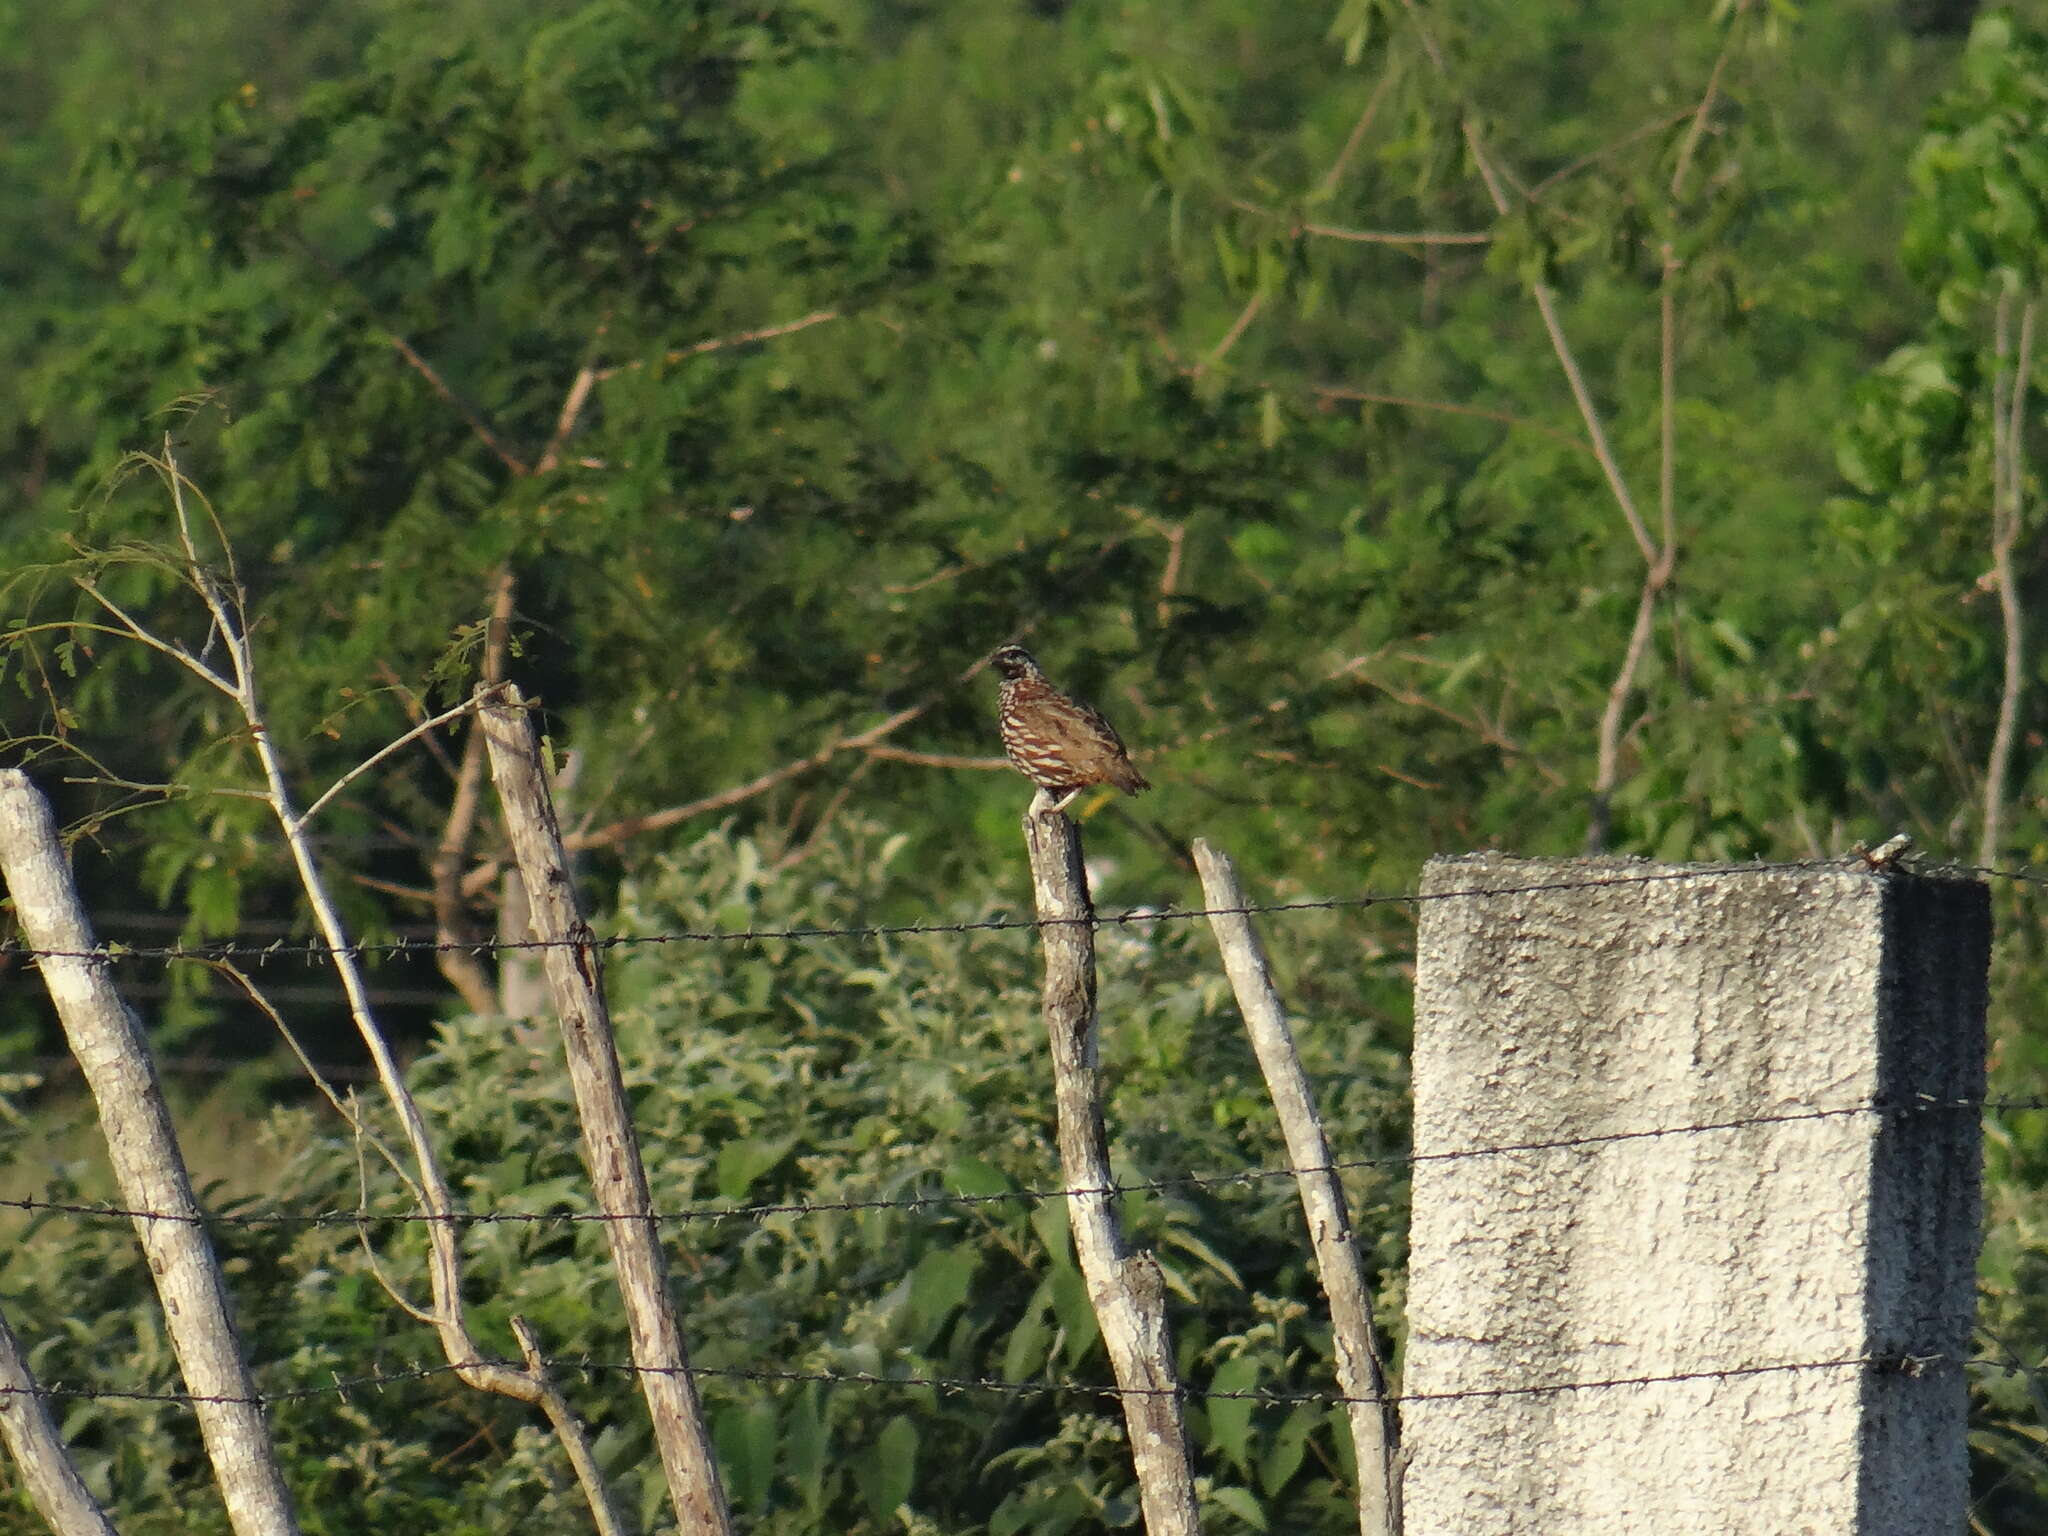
x,y
1059,806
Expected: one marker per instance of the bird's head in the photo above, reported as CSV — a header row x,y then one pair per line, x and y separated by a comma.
x,y
1013,661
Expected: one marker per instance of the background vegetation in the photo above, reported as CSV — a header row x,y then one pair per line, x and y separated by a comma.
x,y
1422,427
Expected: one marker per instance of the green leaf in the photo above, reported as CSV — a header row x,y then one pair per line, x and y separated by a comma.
x,y
938,1285
889,1472
1241,1503
1230,1418
805,1442
1289,1446
746,1440
978,1177
746,1158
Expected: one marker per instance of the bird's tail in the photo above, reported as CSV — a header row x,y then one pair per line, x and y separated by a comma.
x,y
1129,780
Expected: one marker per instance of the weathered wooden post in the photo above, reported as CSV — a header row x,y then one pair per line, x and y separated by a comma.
x,y
48,1474
1707,1135
1126,1289
611,1148
1375,1428
149,1170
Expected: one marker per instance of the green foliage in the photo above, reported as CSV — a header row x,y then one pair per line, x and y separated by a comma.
x,y
894,331
877,1069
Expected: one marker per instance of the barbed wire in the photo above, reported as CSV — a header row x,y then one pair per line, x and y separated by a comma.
x,y
761,1211
1914,1365
318,949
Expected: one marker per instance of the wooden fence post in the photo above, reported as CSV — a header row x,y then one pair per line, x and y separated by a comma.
x,y
1127,1290
47,1472
1361,1374
610,1147
149,1170
1703,1141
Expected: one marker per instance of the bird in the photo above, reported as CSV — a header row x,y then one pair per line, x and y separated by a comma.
x,y
1055,741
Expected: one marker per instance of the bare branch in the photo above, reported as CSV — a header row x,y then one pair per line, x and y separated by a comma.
x,y
1607,764
133,631
463,408
570,1431
2008,468
1706,106
1342,163
737,339
896,754
1367,236
422,729
1615,146
415,711
825,818
1484,729
1245,317
655,821
1450,408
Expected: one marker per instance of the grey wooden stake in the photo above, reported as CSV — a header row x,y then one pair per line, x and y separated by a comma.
x,y
1361,1374
1126,1289
54,1486
610,1147
1709,1135
149,1170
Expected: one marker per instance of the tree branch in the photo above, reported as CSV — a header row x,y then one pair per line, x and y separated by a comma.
x,y
936,759
1342,163
1450,408
2008,450
737,339
654,821
1368,236
383,752
1245,317
463,408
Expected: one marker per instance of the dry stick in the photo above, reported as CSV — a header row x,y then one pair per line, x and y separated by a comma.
x,y
448,1317
54,1486
1361,1374
148,1167
452,928
2008,423
1127,1290
610,1147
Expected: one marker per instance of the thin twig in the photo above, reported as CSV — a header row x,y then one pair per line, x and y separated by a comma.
x,y
1449,408
1221,350
470,415
1367,236
134,631
1699,117
737,339
397,744
2008,425
897,754
1342,163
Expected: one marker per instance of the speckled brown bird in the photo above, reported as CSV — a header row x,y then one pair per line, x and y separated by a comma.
x,y
1057,742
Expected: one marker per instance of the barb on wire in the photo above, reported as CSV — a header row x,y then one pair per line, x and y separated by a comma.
x,y
259,954
762,1211
1914,1364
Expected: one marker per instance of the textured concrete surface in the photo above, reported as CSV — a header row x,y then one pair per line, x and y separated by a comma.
x,y
1803,1230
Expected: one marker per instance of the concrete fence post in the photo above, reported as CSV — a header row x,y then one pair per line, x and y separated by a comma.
x,y
1707,1135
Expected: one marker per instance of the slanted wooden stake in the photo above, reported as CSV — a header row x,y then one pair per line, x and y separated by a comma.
x,y
610,1147
1375,1427
1127,1290
148,1167
54,1486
